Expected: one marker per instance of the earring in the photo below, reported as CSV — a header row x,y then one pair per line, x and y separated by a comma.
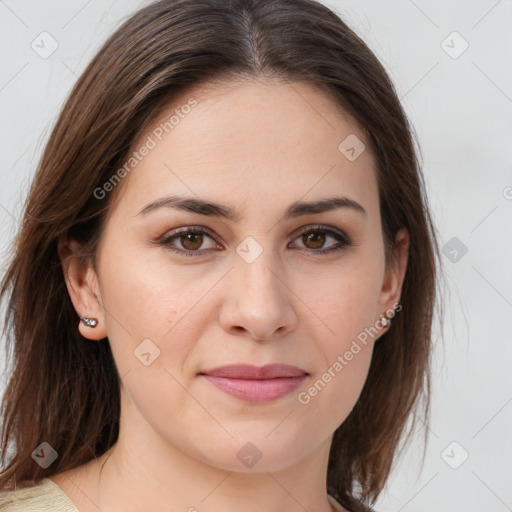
x,y
90,322
385,321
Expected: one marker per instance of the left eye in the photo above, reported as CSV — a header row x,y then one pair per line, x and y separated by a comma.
x,y
191,239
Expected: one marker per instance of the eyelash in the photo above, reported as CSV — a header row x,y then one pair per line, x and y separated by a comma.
x,y
343,239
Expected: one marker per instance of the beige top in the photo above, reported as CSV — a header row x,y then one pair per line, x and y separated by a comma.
x,y
47,496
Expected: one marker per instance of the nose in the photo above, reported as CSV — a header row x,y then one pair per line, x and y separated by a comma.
x,y
257,302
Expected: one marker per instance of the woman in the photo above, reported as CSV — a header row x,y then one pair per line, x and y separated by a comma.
x,y
221,295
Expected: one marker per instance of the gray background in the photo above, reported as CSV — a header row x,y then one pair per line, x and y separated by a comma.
x,y
460,103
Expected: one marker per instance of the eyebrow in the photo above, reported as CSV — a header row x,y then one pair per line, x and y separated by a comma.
x,y
208,208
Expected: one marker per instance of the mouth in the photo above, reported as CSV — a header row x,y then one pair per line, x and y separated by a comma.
x,y
256,384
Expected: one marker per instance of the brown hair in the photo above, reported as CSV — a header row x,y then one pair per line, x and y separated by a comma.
x,y
65,390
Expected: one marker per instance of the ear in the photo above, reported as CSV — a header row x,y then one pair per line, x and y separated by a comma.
x,y
394,276
82,284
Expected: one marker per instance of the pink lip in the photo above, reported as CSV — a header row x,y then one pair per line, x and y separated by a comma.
x,y
256,385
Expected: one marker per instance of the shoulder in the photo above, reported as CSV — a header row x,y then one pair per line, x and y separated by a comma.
x,y
40,497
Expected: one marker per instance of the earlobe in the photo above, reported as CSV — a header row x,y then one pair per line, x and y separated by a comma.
x,y
82,286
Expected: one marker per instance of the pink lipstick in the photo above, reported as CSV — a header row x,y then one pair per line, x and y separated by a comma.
x,y
256,385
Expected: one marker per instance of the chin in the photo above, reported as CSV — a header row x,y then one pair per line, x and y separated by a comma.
x,y
256,453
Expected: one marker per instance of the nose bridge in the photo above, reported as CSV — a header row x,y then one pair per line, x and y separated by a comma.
x,y
256,267
259,300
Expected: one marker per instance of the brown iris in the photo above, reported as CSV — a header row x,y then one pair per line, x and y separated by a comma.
x,y
196,239
318,239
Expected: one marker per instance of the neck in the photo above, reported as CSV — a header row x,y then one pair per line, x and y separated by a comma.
x,y
128,480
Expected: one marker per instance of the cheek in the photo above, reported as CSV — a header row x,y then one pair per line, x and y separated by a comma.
x,y
333,392
146,293
160,396
329,399
146,306
344,301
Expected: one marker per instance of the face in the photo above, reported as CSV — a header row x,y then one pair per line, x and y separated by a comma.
x,y
184,288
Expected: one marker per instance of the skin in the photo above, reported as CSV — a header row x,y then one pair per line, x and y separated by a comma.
x,y
257,146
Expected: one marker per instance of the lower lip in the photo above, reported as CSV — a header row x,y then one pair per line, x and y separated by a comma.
x,y
256,391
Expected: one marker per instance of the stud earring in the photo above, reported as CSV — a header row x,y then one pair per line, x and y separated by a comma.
x,y
385,321
90,322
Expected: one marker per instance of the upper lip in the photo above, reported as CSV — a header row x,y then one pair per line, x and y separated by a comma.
x,y
249,371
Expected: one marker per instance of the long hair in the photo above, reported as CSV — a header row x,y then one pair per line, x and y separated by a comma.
x,y
64,390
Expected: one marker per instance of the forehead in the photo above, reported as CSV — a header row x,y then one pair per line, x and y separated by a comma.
x,y
250,142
